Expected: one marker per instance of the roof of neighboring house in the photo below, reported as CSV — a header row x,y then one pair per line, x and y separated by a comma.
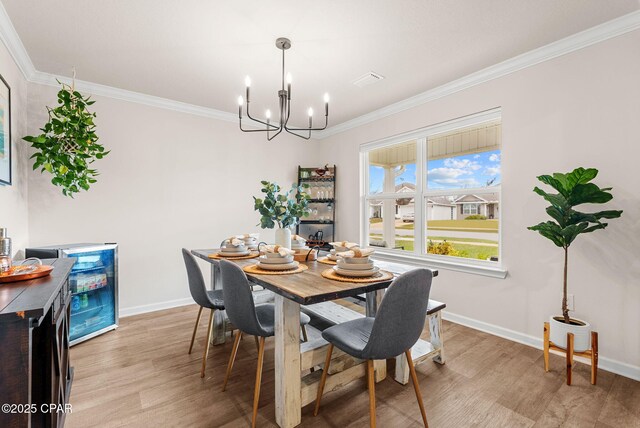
x,y
486,198
440,200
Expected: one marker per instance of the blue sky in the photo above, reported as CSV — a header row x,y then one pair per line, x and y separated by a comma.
x,y
457,172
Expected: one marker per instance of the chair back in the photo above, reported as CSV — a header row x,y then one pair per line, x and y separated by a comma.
x,y
238,299
197,286
401,316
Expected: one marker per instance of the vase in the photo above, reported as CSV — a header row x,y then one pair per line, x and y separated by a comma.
x,y
581,333
283,237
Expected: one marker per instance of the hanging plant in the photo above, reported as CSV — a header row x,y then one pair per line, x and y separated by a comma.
x,y
68,143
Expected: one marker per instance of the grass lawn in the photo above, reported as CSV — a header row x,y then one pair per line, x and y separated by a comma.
x,y
490,226
481,241
468,251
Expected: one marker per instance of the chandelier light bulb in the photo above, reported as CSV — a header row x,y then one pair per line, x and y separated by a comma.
x,y
240,101
326,98
247,82
268,114
310,112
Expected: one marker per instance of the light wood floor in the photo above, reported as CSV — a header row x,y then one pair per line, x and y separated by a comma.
x,y
141,375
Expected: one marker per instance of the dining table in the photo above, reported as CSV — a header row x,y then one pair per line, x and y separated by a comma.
x,y
308,289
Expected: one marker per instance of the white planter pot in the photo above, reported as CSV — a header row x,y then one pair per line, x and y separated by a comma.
x,y
283,237
581,333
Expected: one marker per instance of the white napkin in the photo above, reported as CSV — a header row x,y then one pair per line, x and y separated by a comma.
x,y
248,236
233,241
346,244
278,249
356,253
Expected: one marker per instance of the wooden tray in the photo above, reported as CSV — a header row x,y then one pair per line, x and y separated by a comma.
x,y
40,271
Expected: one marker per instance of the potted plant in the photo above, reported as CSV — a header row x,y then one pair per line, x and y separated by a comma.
x,y
68,143
574,188
282,209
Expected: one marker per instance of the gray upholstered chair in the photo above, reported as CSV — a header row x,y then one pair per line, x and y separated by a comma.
x,y
247,318
395,329
209,299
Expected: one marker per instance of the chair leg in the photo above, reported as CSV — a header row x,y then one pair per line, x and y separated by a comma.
x,y
206,346
304,333
416,387
323,379
195,329
256,392
232,358
372,393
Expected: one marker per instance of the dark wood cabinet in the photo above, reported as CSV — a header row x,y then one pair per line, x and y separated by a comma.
x,y
35,372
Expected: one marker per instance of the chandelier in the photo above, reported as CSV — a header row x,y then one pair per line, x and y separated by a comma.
x,y
284,97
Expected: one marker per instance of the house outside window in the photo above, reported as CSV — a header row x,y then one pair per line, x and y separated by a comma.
x,y
420,188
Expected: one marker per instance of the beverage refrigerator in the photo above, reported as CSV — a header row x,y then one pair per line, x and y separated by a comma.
x,y
94,286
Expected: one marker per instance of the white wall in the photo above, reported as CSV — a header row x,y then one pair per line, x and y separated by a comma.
x,y
580,109
13,199
172,180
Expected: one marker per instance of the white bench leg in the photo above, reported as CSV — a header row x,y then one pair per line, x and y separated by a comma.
x,y
437,339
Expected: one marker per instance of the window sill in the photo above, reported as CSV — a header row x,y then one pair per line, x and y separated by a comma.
x,y
478,268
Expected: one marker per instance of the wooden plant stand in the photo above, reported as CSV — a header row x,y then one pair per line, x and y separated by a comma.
x,y
591,354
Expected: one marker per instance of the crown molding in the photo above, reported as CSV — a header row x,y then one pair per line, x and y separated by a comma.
x,y
134,97
583,39
599,33
11,40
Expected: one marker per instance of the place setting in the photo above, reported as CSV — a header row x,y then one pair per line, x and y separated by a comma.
x,y
238,247
275,260
338,247
354,265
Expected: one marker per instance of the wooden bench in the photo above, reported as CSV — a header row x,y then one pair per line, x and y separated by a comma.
x,y
314,352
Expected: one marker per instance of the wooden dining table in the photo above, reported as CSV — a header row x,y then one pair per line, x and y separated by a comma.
x,y
291,291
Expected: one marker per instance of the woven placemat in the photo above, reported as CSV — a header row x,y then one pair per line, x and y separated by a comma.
x,y
255,269
326,260
217,256
381,275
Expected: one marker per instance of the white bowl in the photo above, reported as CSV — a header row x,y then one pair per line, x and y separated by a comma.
x,y
283,266
234,254
356,260
339,249
272,255
359,266
234,249
356,273
276,260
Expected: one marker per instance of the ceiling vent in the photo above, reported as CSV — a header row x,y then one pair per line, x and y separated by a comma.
x,y
368,79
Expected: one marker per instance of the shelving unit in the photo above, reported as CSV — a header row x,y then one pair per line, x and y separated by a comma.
x,y
319,229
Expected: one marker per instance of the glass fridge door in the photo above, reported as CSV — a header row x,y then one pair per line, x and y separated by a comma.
x,y
93,291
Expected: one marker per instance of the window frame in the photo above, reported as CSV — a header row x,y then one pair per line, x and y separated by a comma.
x,y
419,256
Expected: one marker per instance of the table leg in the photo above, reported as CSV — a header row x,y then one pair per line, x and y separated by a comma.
x,y
374,298
219,318
287,363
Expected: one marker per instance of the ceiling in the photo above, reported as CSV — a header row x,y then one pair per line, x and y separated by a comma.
x,y
199,51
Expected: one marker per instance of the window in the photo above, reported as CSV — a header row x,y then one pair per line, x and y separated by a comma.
x,y
435,193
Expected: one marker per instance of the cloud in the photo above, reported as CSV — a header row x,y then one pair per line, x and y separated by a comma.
x,y
495,157
464,164
446,173
476,157
492,170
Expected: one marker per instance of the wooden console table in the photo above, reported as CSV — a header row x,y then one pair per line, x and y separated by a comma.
x,y
34,351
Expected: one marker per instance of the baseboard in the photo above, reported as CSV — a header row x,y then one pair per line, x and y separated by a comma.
x,y
604,363
152,307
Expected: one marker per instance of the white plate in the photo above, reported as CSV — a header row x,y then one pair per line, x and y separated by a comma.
x,y
272,255
276,261
332,257
231,249
285,266
232,255
359,266
356,260
356,273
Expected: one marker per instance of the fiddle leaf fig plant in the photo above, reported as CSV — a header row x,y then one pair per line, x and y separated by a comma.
x,y
574,188
282,209
68,144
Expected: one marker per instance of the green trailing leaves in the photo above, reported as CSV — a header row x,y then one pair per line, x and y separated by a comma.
x,y
68,144
281,209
